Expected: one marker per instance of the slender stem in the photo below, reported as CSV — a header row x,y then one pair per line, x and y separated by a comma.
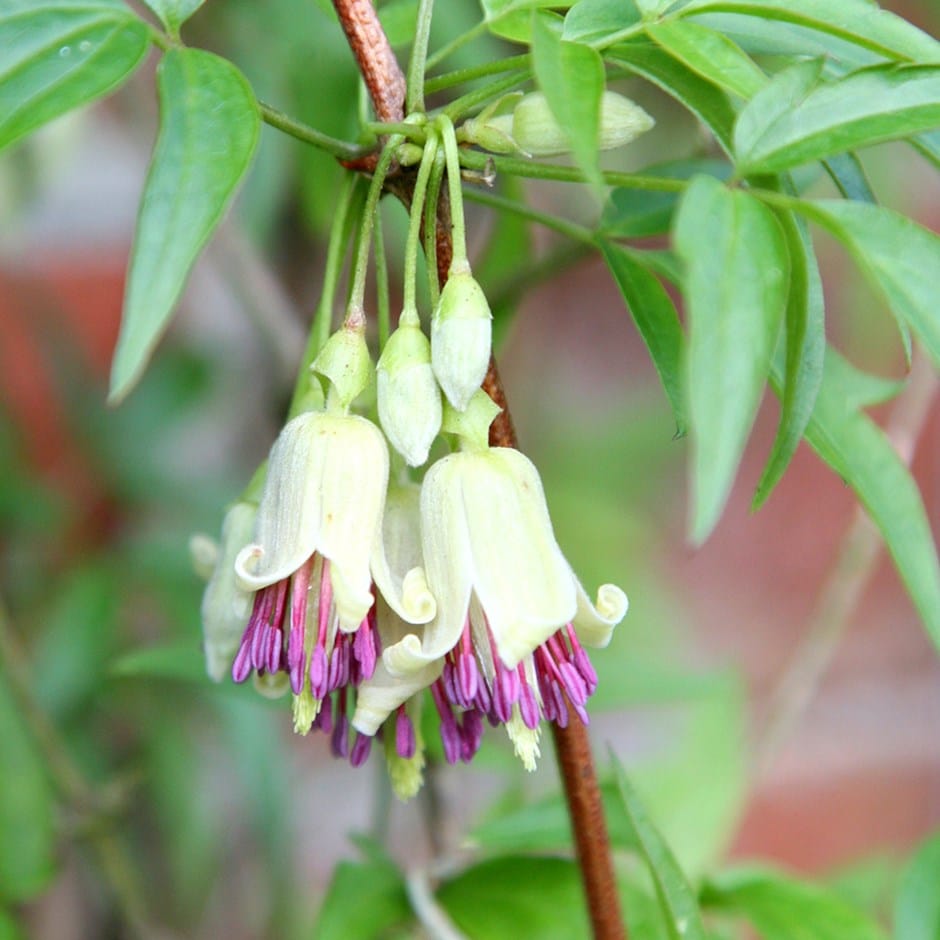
x,y
456,43
437,236
358,292
459,237
383,312
474,72
851,571
481,96
416,133
76,792
571,229
323,317
409,304
374,56
532,169
309,135
414,95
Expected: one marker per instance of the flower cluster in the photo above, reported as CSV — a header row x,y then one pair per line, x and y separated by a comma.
x,y
357,592
366,594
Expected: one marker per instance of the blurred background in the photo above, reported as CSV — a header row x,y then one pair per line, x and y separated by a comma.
x,y
755,726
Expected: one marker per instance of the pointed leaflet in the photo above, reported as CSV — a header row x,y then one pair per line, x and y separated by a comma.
x,y
900,257
571,77
57,56
655,318
735,289
173,13
860,22
781,908
864,108
602,22
209,125
710,54
858,450
708,103
803,357
675,896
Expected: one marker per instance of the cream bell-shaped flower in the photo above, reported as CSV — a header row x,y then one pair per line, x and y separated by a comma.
x,y
225,604
511,615
317,552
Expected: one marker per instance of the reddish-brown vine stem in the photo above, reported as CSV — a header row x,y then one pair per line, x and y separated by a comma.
x,y
386,85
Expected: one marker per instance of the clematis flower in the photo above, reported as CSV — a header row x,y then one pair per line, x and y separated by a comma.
x,y
317,554
511,615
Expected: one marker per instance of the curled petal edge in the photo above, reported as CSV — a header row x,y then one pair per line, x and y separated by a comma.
x,y
381,695
594,623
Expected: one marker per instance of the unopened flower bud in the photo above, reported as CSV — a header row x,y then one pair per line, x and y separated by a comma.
x,y
461,338
491,129
408,396
346,362
536,131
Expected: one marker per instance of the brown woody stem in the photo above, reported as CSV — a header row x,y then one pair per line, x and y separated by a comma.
x,y
386,85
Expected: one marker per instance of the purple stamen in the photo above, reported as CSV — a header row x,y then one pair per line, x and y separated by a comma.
x,y
528,706
450,733
467,677
405,741
360,750
318,671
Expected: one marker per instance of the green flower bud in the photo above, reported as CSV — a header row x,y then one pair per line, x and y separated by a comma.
x,y
346,362
536,131
491,129
461,335
408,396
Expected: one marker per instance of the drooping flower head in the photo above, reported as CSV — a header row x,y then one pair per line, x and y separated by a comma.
x,y
511,615
316,554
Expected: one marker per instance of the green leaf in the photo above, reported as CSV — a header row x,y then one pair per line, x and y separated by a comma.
x,y
512,19
736,290
27,838
858,450
859,22
928,145
917,906
803,356
709,104
493,899
173,13
899,257
864,108
847,172
57,56
675,896
710,54
209,125
782,908
602,22
364,899
571,76
640,213
655,317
